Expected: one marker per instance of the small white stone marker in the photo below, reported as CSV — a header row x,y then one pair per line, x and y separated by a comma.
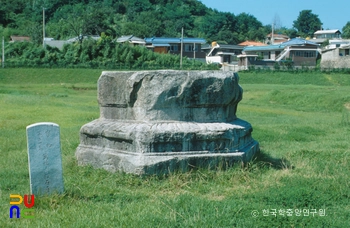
x,y
44,158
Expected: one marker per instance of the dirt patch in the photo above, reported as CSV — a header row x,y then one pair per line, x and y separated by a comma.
x,y
347,105
216,197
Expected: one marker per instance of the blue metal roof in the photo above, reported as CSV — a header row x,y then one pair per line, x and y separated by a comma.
x,y
161,45
298,41
130,38
164,40
159,40
264,48
292,42
124,38
194,40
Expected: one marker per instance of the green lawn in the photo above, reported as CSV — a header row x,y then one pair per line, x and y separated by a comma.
x,y
302,122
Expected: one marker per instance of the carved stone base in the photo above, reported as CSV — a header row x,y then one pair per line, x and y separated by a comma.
x,y
154,122
162,147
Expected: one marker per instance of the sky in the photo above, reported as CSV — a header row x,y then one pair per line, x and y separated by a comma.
x,y
333,15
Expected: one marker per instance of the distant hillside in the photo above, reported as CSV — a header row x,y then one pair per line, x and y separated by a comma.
x,y
143,18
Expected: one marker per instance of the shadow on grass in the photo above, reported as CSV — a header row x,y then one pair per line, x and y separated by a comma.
x,y
264,160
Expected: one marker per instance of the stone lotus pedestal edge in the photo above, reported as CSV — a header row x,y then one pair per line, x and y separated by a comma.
x,y
115,145
112,160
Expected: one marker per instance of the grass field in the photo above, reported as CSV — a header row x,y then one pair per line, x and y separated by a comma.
x,y
302,122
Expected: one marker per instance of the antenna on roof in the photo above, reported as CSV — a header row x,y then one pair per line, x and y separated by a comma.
x,y
272,35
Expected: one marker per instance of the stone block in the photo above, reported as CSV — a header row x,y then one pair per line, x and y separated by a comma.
x,y
44,158
154,122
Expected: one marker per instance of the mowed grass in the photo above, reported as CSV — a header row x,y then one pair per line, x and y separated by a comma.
x,y
302,122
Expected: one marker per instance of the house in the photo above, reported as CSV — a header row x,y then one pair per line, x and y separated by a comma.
x,y
301,52
327,34
244,59
48,39
19,38
191,46
251,43
322,35
276,38
56,43
79,38
60,43
336,54
222,53
131,39
337,43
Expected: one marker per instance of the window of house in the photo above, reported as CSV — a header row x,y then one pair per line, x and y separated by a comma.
x,y
174,48
306,54
189,48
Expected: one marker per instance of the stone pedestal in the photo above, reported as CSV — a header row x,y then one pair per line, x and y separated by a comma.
x,y
154,122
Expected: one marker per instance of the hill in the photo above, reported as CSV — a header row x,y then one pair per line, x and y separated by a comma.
x,y
143,18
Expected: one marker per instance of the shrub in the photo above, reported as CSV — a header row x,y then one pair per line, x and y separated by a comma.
x,y
96,54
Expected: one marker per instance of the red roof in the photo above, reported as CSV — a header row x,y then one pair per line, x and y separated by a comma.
x,y
278,36
251,43
20,38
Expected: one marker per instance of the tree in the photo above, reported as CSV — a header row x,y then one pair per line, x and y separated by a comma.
x,y
8,10
277,22
346,31
176,15
80,20
307,23
290,32
150,23
248,27
217,25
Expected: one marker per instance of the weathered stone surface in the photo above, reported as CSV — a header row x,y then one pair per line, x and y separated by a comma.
x,y
169,95
44,158
159,121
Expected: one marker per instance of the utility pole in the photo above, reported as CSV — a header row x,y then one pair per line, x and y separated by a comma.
x,y
3,52
182,37
194,51
43,27
272,35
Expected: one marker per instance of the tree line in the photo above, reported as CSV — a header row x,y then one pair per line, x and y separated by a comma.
x,y
104,53
143,18
113,18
